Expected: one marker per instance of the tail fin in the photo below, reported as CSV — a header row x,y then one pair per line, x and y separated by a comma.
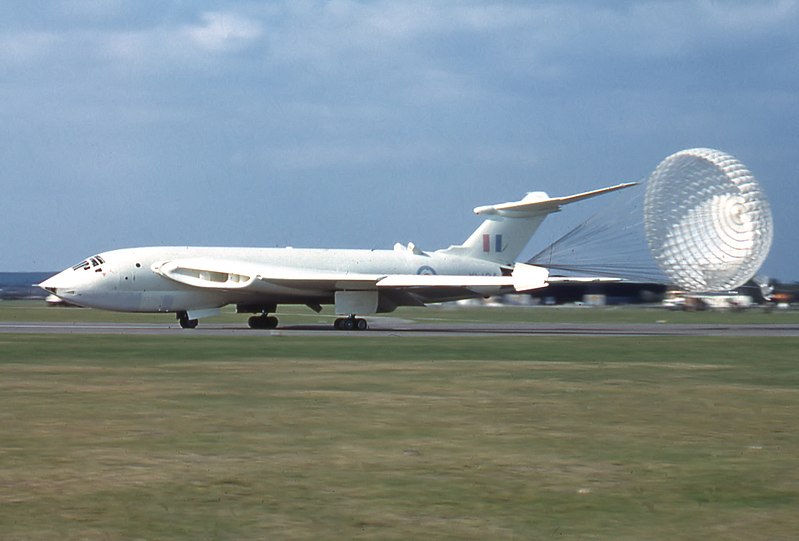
x,y
508,227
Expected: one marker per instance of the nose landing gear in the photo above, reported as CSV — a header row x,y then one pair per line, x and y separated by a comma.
x,y
351,323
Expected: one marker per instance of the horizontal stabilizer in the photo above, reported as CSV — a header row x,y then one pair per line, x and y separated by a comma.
x,y
507,227
541,203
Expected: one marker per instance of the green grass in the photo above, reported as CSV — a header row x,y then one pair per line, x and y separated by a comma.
x,y
276,437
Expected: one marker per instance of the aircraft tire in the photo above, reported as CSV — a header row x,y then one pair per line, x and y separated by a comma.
x,y
350,324
262,322
187,323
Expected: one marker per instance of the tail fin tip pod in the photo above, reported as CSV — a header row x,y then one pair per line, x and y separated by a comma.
x,y
508,227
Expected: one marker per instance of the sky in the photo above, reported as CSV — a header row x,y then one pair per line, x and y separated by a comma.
x,y
363,123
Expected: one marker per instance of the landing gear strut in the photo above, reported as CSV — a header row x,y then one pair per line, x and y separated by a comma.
x,y
185,322
262,322
351,323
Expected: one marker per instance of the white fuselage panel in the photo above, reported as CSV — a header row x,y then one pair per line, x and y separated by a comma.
x,y
125,280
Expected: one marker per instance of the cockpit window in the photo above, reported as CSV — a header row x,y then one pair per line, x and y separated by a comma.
x,y
86,264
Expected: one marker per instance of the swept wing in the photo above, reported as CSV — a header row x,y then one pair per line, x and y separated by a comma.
x,y
222,274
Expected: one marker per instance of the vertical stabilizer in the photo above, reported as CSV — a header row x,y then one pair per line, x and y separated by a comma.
x,y
508,227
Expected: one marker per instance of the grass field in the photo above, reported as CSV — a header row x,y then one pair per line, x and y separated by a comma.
x,y
277,437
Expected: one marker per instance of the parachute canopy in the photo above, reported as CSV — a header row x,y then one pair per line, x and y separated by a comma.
x,y
708,224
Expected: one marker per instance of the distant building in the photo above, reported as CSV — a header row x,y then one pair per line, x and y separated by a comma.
x,y
609,293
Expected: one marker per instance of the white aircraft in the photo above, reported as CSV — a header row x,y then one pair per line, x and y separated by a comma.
x,y
196,282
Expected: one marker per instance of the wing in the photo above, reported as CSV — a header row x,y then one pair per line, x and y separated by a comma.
x,y
233,275
230,275
523,278
581,279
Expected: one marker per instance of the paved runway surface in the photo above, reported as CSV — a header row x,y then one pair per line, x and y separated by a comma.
x,y
398,327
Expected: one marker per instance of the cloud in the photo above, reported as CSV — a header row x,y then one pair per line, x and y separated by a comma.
x,y
156,47
222,32
172,46
750,17
24,48
89,9
275,97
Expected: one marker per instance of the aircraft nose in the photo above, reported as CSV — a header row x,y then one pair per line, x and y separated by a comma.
x,y
59,283
71,284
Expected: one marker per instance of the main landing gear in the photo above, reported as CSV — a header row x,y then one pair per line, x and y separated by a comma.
x,y
185,322
265,321
351,323
262,322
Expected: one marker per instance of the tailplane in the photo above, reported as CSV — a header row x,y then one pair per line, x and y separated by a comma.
x,y
508,227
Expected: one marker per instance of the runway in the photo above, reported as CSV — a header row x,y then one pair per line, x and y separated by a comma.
x,y
399,327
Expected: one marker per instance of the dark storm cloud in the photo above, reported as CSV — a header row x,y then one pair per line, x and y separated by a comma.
x,y
347,123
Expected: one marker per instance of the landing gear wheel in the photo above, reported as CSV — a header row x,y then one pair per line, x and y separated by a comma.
x,y
350,324
187,323
262,322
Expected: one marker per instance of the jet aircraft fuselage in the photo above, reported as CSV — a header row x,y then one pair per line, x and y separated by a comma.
x,y
134,279
196,282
